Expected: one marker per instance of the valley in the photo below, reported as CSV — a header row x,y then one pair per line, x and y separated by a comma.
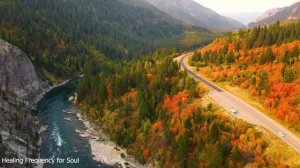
x,y
61,140
59,43
148,83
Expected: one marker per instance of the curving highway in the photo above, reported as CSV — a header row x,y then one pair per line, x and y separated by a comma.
x,y
245,111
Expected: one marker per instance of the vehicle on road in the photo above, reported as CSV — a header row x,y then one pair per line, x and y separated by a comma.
x,y
281,134
251,114
233,111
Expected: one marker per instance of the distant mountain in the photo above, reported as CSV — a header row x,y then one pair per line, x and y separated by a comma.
x,y
193,13
244,18
289,13
59,36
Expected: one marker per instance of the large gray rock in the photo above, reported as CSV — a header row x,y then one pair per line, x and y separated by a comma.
x,y
18,79
20,88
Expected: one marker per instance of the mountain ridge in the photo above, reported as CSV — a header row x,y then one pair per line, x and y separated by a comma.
x,y
59,36
191,12
287,13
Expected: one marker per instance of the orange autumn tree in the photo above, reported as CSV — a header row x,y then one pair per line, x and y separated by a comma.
x,y
268,68
176,107
157,127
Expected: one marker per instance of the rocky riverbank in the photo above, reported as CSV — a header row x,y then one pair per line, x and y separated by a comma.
x,y
105,150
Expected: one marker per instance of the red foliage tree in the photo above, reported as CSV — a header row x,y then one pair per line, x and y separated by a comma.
x,y
146,153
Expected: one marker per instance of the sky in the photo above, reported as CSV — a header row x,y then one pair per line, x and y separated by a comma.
x,y
243,6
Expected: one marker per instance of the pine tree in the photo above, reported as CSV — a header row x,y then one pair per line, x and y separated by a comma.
x,y
183,149
236,155
262,59
263,75
285,57
237,45
269,55
167,134
215,158
197,57
289,76
230,57
295,52
214,132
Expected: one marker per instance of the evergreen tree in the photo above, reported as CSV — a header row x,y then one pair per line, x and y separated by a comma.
x,y
285,57
225,147
183,149
214,132
263,75
197,57
236,155
230,57
269,55
215,157
289,76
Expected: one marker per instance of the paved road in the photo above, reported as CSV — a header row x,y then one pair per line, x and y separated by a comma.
x,y
245,111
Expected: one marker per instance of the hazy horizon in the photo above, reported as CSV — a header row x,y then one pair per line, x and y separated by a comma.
x,y
245,6
244,18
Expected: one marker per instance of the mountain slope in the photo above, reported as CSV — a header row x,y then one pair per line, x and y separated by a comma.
x,y
164,117
289,13
59,36
193,13
263,63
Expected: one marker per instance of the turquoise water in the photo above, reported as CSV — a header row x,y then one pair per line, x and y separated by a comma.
x,y
61,141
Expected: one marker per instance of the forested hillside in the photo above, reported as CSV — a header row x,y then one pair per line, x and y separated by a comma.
x,y
161,116
60,35
265,61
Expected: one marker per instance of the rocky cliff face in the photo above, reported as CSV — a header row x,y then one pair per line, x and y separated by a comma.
x,y
20,88
18,79
289,13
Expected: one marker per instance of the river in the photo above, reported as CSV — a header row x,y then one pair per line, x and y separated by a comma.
x,y
61,140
